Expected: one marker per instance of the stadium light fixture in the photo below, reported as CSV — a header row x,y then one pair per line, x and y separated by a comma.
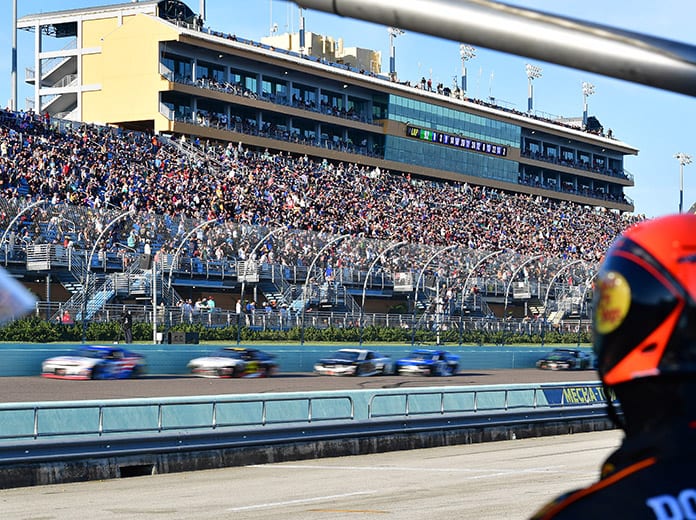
x,y
13,73
24,210
88,271
244,275
683,159
367,277
466,52
513,277
393,33
548,293
587,285
415,294
310,271
587,90
537,35
533,72
473,270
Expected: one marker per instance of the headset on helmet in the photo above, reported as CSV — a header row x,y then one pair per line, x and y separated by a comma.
x,y
645,302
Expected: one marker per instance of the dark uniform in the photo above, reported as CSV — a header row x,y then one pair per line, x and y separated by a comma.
x,y
127,323
646,478
644,335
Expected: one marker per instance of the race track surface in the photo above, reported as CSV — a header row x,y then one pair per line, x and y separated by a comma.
x,y
36,388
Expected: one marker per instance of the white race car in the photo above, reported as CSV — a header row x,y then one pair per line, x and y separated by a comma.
x,y
234,362
355,362
95,362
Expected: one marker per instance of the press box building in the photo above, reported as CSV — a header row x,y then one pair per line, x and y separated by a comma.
x,y
155,66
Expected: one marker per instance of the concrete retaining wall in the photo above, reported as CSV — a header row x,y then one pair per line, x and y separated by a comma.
x,y
181,460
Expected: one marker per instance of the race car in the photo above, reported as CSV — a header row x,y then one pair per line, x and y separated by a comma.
x,y
428,362
355,362
95,362
232,362
565,359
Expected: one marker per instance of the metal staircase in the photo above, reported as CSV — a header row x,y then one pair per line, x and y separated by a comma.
x,y
98,297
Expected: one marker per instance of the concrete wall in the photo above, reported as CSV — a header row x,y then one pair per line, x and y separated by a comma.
x,y
24,359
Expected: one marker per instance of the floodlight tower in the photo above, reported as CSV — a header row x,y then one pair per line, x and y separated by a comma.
x,y
393,33
466,52
683,159
587,90
533,72
13,73
302,32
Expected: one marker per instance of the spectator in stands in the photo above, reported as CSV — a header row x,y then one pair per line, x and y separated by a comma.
x,y
66,318
187,311
102,168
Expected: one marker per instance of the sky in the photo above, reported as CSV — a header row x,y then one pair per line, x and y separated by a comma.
x,y
660,124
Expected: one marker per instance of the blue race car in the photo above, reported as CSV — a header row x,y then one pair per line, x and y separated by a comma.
x,y
428,362
95,362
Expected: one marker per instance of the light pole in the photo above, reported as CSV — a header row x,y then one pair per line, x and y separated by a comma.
x,y
588,285
367,277
181,246
175,258
683,159
587,90
437,296
244,278
85,288
466,52
533,72
393,33
466,282
548,292
507,289
16,217
309,275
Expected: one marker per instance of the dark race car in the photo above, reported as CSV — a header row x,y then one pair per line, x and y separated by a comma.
x,y
95,362
565,359
428,362
234,362
355,362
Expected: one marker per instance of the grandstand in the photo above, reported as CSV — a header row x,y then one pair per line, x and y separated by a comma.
x,y
196,82
99,231
271,177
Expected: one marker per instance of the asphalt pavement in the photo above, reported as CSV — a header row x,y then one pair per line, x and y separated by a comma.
x,y
36,388
489,481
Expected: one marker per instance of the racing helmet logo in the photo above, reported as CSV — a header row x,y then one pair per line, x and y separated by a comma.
x,y
614,302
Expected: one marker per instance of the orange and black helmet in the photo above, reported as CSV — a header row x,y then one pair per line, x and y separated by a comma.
x,y
645,302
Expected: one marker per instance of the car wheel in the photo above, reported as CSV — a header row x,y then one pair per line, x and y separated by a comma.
x,y
359,370
137,372
97,372
454,369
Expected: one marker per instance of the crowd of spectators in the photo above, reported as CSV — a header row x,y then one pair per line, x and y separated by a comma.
x,y
101,168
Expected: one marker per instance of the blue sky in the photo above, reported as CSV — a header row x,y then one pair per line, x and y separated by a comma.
x,y
658,123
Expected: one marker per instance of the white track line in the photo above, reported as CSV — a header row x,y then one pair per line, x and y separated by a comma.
x,y
300,501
